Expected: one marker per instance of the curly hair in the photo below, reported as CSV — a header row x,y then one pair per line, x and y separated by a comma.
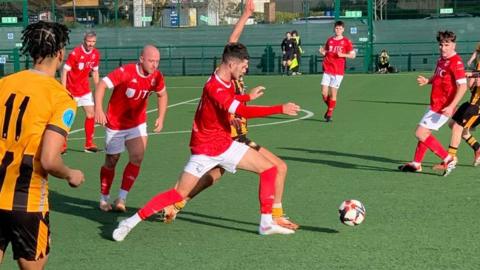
x,y
44,39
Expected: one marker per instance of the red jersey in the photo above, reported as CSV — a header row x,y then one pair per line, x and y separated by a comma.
x,y
449,73
79,64
211,127
332,64
127,107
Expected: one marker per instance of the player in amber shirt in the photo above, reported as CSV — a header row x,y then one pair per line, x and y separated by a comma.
x,y
335,51
449,84
126,119
466,117
35,120
82,61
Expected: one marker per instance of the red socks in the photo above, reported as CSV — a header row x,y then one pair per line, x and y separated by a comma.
x,y
325,99
420,152
331,105
129,176
89,130
267,190
436,147
106,179
159,202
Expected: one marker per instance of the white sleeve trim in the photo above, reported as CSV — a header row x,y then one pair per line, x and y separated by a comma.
x,y
95,68
233,107
108,82
462,81
67,67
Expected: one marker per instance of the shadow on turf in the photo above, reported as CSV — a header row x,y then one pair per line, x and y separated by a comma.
x,y
182,214
339,164
391,102
87,209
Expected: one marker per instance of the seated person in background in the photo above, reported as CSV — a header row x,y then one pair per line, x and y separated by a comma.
x,y
383,62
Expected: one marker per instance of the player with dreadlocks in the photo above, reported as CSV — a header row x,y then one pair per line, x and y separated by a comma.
x,y
35,120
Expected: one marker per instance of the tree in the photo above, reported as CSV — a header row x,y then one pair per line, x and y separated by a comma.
x,y
158,6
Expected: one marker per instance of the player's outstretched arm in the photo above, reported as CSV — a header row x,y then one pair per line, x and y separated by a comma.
x,y
238,29
52,162
162,104
290,108
262,111
100,116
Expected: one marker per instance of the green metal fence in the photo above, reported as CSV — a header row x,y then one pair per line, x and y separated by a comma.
x,y
265,59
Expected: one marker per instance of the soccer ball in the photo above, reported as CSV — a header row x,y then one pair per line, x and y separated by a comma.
x,y
352,212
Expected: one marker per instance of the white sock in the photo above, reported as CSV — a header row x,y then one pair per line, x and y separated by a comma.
x,y
122,194
277,205
448,158
266,220
133,220
416,163
104,198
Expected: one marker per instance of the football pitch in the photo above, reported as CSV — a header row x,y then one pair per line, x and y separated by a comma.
x,y
413,221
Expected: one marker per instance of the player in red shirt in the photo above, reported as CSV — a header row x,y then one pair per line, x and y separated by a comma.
x,y
82,61
239,131
211,144
126,118
336,50
449,84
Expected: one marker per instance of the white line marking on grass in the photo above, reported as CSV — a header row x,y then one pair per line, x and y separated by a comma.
x,y
308,114
149,111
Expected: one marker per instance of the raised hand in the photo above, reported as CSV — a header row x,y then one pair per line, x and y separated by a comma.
x,y
249,7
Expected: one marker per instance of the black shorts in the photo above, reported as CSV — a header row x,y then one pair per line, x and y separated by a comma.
x,y
288,56
248,142
467,115
29,234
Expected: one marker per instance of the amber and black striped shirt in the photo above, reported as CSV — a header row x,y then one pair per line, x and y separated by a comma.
x,y
30,103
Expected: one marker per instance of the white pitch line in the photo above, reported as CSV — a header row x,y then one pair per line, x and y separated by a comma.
x,y
308,114
149,111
